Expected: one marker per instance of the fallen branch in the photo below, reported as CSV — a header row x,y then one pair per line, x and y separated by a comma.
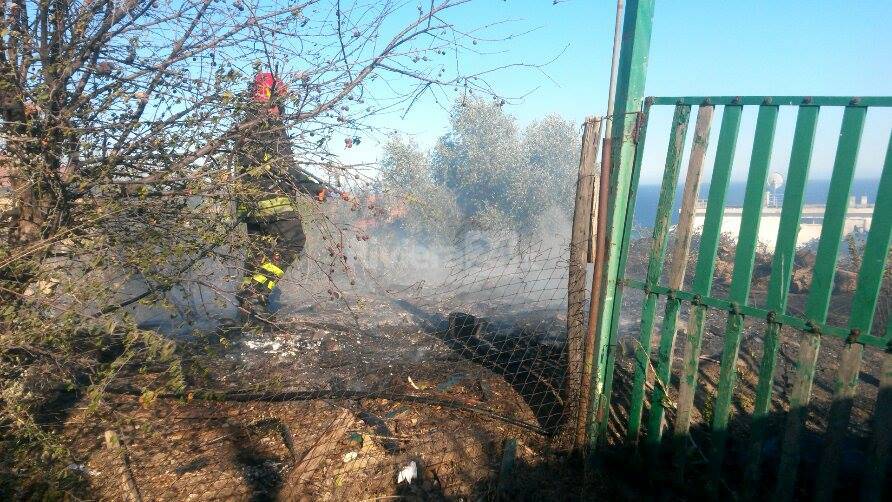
x,y
326,443
506,471
113,443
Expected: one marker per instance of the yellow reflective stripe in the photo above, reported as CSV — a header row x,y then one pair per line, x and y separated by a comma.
x,y
266,207
273,269
262,279
259,278
274,206
274,202
262,168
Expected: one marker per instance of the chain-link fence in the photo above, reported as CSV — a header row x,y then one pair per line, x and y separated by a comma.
x,y
426,370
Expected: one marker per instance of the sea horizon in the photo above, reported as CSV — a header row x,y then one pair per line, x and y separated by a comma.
x,y
816,192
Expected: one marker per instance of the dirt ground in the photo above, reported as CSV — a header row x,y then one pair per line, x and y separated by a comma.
x,y
339,408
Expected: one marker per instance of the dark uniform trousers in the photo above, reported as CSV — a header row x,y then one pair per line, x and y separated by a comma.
x,y
276,242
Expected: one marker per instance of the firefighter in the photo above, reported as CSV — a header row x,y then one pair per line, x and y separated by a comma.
x,y
270,176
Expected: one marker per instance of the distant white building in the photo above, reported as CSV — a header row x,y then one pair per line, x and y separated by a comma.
x,y
858,218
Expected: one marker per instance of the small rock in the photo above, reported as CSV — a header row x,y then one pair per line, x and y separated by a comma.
x,y
330,345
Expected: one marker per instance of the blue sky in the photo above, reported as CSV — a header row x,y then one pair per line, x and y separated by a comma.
x,y
822,47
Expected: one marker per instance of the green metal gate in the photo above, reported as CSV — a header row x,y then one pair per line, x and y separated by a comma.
x,y
627,136
858,334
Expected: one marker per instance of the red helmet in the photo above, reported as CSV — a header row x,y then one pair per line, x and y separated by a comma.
x,y
264,83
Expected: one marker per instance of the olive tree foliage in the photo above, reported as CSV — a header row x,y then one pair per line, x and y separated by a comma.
x,y
421,202
477,160
486,173
550,159
119,119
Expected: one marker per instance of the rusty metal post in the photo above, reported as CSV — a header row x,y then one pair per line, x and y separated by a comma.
x,y
595,304
608,122
598,228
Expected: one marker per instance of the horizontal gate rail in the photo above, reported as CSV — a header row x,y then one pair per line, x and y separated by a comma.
x,y
867,101
812,326
756,313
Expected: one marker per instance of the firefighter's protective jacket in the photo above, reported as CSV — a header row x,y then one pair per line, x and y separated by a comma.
x,y
266,164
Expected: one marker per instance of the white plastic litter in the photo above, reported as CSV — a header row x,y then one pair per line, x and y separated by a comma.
x,y
83,469
350,456
412,383
408,473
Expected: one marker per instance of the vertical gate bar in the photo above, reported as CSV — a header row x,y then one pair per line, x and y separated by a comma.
x,y
637,26
603,409
881,443
818,300
803,376
880,447
702,284
577,270
864,301
742,277
876,252
781,272
677,267
844,387
677,136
